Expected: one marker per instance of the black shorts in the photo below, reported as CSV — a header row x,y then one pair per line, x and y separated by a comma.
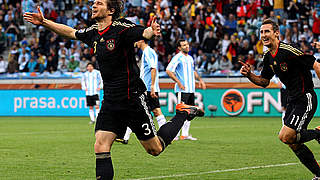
x,y
133,113
284,97
300,111
152,103
93,100
187,98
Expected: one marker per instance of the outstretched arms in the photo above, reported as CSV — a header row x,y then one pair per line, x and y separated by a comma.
x,y
61,29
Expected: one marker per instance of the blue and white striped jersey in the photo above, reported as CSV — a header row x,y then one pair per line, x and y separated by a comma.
x,y
91,81
183,67
149,60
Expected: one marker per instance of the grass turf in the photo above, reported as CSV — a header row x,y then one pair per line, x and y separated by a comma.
x,y
62,148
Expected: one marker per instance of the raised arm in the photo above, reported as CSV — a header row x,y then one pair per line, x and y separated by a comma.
x,y
61,29
154,29
257,80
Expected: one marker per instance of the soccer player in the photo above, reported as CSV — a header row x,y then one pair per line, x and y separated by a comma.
x,y
181,70
91,83
292,67
150,76
124,101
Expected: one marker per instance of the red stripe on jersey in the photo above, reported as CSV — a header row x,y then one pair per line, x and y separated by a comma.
x,y
302,83
104,31
128,71
123,30
274,55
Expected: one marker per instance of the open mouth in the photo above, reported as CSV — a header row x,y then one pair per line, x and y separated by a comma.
x,y
266,40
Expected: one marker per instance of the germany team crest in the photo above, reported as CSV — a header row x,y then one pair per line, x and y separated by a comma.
x,y
110,44
283,66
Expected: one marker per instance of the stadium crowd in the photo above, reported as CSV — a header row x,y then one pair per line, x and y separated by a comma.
x,y
220,32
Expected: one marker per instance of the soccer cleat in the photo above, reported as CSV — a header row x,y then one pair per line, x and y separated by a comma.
x,y
192,111
91,122
318,139
122,141
188,138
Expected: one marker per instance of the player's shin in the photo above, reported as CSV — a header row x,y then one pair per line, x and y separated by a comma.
x,y
307,135
306,157
104,168
169,130
161,120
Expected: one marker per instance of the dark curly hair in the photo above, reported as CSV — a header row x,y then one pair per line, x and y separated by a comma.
x,y
116,6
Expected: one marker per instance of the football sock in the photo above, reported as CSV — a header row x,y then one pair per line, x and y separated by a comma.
x,y
91,114
127,135
185,128
307,135
97,112
306,157
104,168
169,130
161,120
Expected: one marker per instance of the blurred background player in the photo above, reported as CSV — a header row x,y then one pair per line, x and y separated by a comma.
x,y
91,82
181,70
150,76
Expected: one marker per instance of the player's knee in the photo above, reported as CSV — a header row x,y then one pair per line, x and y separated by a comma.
x,y
99,146
155,151
287,138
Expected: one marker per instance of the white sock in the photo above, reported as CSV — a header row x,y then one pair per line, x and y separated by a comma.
x,y
161,120
178,135
185,128
127,135
91,114
97,112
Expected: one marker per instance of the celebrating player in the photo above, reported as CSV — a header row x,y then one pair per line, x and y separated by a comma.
x,y
124,102
292,67
181,70
91,83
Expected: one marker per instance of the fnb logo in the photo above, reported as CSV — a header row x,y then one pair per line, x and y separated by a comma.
x,y
232,102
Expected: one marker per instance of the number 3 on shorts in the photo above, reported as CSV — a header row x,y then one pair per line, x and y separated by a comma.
x,y
145,126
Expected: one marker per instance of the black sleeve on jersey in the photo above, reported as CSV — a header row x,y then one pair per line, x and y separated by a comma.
x,y
266,72
133,34
306,60
86,35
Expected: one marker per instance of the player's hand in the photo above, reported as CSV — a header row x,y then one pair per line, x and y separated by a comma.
x,y
155,26
245,69
202,85
153,93
34,18
181,86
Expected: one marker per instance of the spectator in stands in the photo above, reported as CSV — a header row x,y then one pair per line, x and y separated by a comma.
x,y
83,64
62,18
225,65
48,4
225,43
51,65
24,55
292,12
23,65
210,43
316,23
12,33
42,60
32,64
73,66
231,25
95,62
250,58
73,21
213,65
12,65
3,40
3,65
63,64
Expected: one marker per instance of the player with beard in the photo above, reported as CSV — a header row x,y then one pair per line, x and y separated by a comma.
x,y
124,101
292,67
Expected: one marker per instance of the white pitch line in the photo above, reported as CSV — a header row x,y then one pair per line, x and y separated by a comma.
x,y
216,171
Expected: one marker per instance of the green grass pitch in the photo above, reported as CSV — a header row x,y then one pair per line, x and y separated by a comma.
x,y
61,148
